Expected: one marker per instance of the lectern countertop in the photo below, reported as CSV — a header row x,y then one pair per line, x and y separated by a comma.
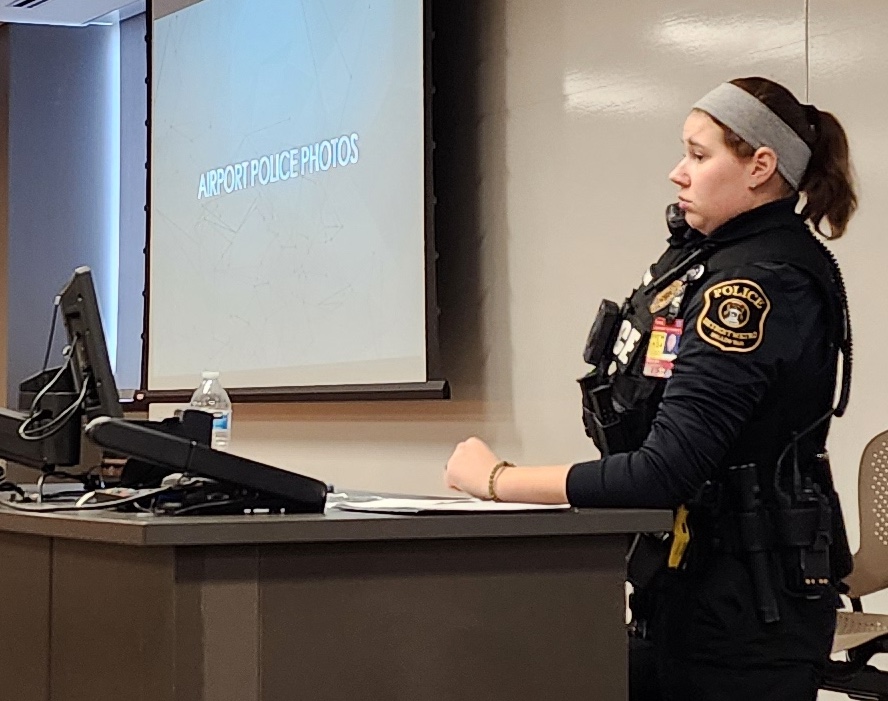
x,y
137,529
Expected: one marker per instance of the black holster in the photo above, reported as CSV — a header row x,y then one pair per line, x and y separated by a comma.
x,y
647,559
805,534
787,538
754,528
840,558
600,418
604,424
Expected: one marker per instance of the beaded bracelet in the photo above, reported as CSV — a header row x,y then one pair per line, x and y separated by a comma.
x,y
494,473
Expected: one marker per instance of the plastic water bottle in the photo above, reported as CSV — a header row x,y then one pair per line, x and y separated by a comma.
x,y
212,397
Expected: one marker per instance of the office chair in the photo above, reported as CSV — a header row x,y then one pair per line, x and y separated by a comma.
x,y
861,635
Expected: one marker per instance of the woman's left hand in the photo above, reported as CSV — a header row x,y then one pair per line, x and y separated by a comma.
x,y
468,469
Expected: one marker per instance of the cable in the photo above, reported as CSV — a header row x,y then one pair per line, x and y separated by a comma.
x,y
68,353
202,506
58,423
846,349
12,487
52,326
794,446
41,509
89,475
55,425
847,344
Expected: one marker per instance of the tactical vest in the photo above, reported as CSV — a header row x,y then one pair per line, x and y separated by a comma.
x,y
635,397
620,402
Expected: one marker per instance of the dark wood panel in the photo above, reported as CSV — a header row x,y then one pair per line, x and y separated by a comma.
x,y
532,618
25,563
113,623
228,610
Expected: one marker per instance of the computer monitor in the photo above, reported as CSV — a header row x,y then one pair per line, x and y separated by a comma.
x,y
45,433
90,363
86,386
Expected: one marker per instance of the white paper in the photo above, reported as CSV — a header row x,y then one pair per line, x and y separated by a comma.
x,y
444,505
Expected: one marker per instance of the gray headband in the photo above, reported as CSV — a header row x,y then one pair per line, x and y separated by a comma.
x,y
758,126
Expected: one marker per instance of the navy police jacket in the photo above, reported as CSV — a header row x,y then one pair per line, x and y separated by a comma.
x,y
736,357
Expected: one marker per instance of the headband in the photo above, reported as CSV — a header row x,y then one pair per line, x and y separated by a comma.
x,y
757,125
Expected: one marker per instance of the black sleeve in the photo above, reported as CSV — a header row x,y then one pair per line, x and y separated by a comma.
x,y
719,377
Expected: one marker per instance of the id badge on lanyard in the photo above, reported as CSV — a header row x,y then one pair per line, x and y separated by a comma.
x,y
663,347
667,330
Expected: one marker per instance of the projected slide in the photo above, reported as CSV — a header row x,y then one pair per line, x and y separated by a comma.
x,y
287,241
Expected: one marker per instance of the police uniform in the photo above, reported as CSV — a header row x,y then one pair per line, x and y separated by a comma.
x,y
730,360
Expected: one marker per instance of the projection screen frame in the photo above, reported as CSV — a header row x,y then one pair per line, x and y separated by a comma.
x,y
436,386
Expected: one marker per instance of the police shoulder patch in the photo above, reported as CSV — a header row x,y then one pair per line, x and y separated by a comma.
x,y
733,316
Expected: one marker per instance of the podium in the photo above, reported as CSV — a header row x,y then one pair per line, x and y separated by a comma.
x,y
336,607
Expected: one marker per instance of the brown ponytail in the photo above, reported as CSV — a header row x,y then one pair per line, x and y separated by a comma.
x,y
828,182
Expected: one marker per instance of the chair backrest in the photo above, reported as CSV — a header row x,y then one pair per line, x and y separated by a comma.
x,y
871,559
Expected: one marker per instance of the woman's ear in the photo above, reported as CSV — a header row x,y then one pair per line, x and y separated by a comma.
x,y
762,166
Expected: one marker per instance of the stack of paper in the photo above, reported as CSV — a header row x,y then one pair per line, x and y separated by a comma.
x,y
431,505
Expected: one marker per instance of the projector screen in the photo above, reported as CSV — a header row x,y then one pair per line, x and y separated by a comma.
x,y
288,194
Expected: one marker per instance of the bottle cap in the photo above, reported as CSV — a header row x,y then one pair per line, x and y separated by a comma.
x,y
210,375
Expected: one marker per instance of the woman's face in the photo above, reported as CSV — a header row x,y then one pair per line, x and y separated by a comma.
x,y
713,182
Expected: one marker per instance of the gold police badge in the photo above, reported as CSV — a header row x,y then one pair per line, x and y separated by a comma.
x,y
664,299
733,316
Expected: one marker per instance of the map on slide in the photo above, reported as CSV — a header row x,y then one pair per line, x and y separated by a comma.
x,y
287,241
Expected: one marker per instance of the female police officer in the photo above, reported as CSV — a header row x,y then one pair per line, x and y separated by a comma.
x,y
731,432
